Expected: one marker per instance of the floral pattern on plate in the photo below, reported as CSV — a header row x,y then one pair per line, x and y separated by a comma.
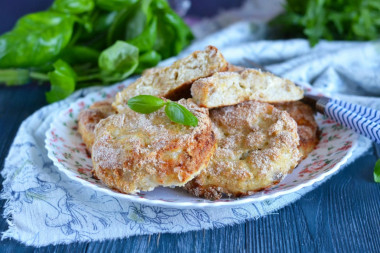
x,y
68,152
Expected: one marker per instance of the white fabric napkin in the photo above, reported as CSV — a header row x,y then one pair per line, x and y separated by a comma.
x,y
46,207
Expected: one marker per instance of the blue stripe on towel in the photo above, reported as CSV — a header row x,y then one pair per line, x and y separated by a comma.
x,y
363,120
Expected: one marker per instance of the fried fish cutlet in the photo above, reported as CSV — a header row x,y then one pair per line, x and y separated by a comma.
x,y
137,152
230,88
256,148
88,119
173,82
307,128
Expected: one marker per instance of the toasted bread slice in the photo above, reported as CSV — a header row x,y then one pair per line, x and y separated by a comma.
x,y
230,88
173,82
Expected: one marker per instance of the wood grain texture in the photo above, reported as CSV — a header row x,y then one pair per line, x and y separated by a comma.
x,y
342,215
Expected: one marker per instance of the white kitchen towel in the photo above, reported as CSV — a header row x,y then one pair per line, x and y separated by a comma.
x,y
46,207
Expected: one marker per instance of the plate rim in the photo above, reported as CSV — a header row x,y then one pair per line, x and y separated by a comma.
x,y
185,204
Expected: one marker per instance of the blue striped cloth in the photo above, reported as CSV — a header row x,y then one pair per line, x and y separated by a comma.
x,y
363,120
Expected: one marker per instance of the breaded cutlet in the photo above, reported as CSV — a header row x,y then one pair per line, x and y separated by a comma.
x,y
257,147
307,127
88,119
137,152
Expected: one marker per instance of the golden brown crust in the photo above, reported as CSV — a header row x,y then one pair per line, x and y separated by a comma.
x,y
307,127
234,68
89,118
173,82
257,147
230,88
134,152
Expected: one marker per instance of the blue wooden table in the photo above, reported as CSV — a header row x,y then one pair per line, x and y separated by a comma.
x,y
341,215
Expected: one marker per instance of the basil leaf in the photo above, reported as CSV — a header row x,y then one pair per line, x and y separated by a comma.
x,y
104,20
84,35
172,33
14,76
182,31
73,6
37,39
148,60
100,23
130,22
117,29
79,54
138,19
114,5
62,81
118,61
376,172
179,114
145,41
145,103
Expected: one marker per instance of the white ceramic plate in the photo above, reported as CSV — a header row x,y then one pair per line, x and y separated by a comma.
x,y
68,152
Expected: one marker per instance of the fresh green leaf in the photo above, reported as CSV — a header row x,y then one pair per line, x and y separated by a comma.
x,y
331,20
376,172
96,41
85,21
145,41
148,60
165,39
130,22
145,103
103,21
73,6
117,29
14,76
62,81
172,33
95,38
183,32
37,39
79,55
179,114
138,19
118,61
115,5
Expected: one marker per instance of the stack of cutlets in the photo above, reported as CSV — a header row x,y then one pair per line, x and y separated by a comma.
x,y
252,130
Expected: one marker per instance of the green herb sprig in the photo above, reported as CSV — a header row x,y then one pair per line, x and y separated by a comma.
x,y
376,172
78,43
330,20
177,113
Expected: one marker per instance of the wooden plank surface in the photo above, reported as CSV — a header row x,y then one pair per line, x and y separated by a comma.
x,y
342,215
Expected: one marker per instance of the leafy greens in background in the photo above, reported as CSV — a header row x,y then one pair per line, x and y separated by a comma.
x,y
330,19
376,172
77,43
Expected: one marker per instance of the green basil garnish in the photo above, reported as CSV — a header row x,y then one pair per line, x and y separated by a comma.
x,y
177,113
